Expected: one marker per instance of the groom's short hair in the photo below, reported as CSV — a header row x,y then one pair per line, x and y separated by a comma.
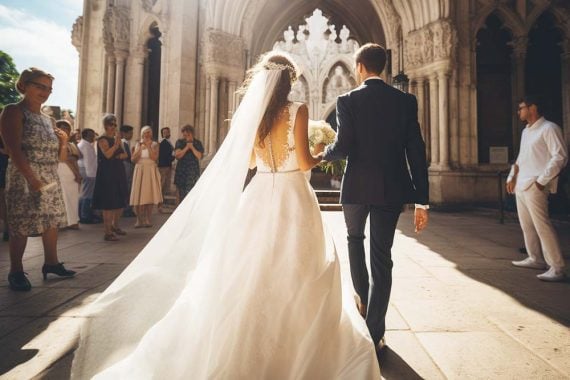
x,y
372,56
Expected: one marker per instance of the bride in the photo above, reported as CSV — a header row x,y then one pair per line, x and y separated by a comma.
x,y
238,284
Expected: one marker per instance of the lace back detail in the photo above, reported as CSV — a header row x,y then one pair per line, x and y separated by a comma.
x,y
279,145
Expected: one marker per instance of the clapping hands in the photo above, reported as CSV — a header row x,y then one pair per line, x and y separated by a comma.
x,y
61,135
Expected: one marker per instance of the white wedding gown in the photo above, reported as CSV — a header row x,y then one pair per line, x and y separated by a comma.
x,y
263,301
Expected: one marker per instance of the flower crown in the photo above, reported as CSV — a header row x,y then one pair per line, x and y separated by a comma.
x,y
282,67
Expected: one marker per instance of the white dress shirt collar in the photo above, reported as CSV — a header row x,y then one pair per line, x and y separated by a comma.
x,y
537,123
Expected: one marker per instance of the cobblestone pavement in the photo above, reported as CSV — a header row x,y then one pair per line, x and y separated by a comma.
x,y
459,309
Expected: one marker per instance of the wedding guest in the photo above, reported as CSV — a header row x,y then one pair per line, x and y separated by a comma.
x,y
3,166
87,164
70,178
543,154
188,151
76,136
165,159
111,192
146,190
126,136
33,192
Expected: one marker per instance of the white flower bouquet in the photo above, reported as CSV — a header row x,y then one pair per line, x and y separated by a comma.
x,y
320,132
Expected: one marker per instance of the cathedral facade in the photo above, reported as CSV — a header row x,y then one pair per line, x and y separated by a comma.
x,y
166,63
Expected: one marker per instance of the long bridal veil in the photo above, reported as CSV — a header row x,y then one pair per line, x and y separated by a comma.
x,y
144,293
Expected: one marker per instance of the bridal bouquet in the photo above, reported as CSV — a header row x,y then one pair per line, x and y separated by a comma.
x,y
320,132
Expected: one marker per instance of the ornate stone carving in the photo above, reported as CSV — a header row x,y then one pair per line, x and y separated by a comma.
x,y
319,56
108,29
338,82
148,4
224,49
116,28
77,33
434,42
300,90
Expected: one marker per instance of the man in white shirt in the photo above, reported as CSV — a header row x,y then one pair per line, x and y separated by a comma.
x,y
543,154
88,170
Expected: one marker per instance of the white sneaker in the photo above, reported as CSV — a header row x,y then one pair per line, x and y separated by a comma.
x,y
551,275
529,263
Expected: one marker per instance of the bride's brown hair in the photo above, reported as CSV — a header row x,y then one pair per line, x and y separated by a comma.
x,y
289,73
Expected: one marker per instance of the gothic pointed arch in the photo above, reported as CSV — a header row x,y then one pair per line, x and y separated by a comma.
x,y
494,88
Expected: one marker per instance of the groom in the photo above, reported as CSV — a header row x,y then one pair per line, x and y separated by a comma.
x,y
379,134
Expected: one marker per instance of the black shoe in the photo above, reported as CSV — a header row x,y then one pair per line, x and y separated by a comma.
x,y
19,282
57,269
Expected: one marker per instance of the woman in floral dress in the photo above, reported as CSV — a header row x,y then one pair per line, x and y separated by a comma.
x,y
33,191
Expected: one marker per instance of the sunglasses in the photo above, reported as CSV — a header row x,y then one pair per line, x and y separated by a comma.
x,y
41,86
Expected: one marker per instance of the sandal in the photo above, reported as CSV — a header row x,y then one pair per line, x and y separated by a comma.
x,y
110,237
118,231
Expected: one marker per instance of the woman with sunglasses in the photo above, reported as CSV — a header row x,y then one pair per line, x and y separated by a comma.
x,y
111,192
33,192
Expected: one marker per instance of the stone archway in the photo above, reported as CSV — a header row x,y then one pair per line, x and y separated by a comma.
x,y
324,56
151,81
494,89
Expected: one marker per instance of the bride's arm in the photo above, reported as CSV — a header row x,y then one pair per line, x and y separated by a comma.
x,y
304,157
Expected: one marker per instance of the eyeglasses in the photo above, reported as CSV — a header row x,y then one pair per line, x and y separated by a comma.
x,y
41,86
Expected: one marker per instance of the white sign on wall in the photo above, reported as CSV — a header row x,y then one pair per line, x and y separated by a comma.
x,y
499,154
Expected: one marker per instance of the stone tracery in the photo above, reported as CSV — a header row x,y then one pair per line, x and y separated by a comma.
x,y
322,59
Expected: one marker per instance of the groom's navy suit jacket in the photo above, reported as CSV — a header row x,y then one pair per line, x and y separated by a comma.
x,y
379,134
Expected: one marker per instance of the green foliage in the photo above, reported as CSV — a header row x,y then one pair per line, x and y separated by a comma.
x,y
334,168
8,77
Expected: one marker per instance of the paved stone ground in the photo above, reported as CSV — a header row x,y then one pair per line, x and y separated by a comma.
x,y
459,309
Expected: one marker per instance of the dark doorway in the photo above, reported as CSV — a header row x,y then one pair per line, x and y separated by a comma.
x,y
543,66
494,97
151,105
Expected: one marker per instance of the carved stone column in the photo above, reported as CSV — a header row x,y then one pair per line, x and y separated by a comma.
x,y
111,71
565,63
413,87
518,59
232,88
134,89
120,57
206,131
443,103
224,65
213,122
434,119
421,97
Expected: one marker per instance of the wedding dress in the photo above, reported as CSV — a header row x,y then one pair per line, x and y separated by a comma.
x,y
237,284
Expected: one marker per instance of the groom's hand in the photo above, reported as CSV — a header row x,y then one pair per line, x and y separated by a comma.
x,y
420,219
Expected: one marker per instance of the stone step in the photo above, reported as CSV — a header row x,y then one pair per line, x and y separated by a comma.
x,y
329,200
330,207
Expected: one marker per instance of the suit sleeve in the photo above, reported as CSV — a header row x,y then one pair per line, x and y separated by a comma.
x,y
416,153
345,133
